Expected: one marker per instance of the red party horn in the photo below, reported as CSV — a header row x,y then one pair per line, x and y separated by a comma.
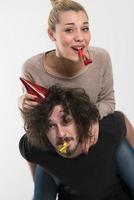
x,y
84,57
34,89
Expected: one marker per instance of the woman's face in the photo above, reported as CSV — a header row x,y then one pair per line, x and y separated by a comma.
x,y
71,33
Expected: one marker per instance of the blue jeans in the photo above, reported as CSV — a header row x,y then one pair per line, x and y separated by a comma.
x,y
45,186
125,163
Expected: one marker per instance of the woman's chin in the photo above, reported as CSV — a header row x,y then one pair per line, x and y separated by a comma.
x,y
74,59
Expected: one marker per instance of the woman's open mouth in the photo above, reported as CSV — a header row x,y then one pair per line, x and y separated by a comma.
x,y
76,49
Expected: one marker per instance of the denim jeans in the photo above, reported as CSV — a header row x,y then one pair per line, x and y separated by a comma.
x,y
125,163
45,186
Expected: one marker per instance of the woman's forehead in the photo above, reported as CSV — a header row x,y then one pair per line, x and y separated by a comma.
x,y
72,17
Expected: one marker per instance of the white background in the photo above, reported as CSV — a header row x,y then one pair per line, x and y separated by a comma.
x,y
23,25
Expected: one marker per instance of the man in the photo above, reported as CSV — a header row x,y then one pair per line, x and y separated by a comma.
x,y
68,116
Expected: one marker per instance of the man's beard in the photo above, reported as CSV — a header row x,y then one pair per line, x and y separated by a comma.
x,y
69,152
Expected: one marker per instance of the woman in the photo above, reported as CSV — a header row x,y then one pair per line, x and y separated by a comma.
x,y
68,28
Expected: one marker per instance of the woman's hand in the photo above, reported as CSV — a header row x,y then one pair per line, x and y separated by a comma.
x,y
27,102
92,139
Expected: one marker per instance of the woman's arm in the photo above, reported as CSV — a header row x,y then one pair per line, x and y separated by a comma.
x,y
106,98
129,132
125,156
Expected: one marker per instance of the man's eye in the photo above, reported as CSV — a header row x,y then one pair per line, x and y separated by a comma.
x,y
51,126
67,120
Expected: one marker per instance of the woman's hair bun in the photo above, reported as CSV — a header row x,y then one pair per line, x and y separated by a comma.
x,y
54,2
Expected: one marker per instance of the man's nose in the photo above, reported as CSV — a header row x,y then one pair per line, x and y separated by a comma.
x,y
61,131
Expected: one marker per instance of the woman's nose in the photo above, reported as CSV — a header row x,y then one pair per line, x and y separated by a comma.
x,y
78,36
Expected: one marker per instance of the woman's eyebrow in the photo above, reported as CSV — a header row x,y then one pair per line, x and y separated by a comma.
x,y
72,23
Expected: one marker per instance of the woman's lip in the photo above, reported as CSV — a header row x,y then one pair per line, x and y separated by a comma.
x,y
77,48
76,51
80,51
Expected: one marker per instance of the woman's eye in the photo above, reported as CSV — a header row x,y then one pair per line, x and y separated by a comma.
x,y
86,29
69,30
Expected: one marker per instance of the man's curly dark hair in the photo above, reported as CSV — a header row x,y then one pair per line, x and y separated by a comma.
x,y
74,101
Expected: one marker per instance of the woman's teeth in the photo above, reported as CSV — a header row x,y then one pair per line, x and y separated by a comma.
x,y
77,49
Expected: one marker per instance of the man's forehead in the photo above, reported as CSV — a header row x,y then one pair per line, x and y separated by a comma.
x,y
58,108
57,111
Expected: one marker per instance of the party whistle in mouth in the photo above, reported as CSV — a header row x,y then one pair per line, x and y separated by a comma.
x,y
63,148
34,89
84,57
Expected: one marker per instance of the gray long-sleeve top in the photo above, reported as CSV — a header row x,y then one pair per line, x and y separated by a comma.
x,y
96,78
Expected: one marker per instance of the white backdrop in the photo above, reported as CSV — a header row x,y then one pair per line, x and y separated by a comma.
x,y
23,27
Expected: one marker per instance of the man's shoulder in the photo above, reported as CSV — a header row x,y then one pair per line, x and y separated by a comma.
x,y
114,123
116,116
30,151
119,119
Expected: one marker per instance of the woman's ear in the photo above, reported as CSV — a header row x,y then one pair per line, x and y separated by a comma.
x,y
51,35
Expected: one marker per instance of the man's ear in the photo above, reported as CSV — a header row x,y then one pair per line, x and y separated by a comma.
x,y
51,35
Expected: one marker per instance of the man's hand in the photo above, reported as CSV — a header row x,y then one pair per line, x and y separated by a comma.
x,y
92,139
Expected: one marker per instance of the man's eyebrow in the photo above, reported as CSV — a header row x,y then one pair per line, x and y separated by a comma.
x,y
49,121
72,23
66,115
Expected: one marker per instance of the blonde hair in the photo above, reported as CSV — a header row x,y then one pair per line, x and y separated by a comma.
x,y
61,6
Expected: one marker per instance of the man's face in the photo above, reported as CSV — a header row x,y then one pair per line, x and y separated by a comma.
x,y
62,128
